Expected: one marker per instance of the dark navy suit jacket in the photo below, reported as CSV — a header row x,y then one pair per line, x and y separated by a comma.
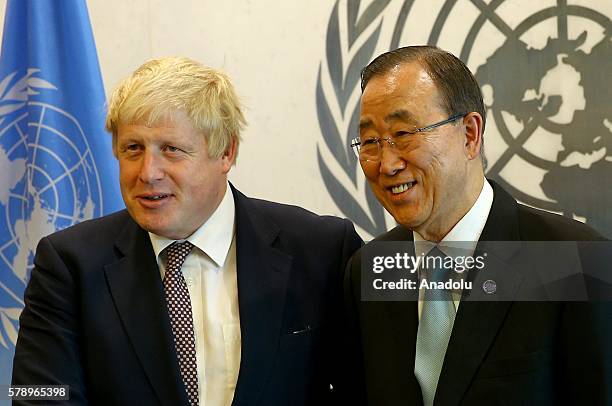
x,y
95,316
500,352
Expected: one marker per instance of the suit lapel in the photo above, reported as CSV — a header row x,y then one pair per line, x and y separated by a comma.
x,y
263,271
478,320
135,286
404,321
477,323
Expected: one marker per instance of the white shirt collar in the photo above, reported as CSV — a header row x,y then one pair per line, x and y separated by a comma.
x,y
467,230
214,237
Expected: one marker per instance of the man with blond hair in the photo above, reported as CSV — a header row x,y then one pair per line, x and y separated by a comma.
x,y
196,294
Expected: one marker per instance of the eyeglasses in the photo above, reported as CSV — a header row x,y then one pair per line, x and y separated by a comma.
x,y
370,149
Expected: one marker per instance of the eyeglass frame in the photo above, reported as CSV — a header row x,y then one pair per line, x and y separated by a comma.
x,y
356,142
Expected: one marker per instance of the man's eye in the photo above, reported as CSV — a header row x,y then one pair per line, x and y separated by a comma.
x,y
170,148
402,133
370,141
131,147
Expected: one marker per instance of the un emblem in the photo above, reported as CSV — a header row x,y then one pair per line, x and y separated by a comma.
x,y
49,181
544,70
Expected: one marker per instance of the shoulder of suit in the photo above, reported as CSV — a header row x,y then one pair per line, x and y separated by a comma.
x,y
534,224
540,225
398,233
301,231
96,229
283,214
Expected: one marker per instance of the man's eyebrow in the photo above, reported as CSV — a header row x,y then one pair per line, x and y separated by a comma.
x,y
365,124
399,115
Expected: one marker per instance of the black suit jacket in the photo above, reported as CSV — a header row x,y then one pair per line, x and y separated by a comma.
x,y
95,316
499,353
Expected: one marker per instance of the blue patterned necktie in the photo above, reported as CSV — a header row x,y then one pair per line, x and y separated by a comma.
x,y
181,319
435,327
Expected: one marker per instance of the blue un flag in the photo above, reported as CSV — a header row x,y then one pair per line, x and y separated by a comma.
x,y
55,157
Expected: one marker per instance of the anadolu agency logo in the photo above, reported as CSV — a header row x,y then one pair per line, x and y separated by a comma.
x,y
544,70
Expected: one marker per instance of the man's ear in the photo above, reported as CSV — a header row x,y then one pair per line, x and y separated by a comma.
x,y
473,134
229,156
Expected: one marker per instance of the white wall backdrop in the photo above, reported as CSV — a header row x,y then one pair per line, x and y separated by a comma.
x,y
271,49
274,50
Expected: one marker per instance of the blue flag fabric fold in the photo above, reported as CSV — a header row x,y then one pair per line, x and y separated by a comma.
x,y
56,167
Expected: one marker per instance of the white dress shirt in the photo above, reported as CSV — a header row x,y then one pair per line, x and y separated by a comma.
x,y
466,232
210,274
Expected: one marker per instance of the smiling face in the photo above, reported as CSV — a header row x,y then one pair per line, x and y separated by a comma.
x,y
432,183
169,184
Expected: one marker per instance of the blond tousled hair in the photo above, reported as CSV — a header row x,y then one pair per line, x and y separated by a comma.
x,y
161,87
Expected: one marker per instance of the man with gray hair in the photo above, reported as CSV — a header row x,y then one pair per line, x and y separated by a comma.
x,y
420,147
196,294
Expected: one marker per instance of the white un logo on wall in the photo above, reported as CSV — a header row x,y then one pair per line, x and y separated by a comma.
x,y
48,176
545,71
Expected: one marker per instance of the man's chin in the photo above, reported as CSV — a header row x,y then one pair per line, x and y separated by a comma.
x,y
155,226
408,220
404,214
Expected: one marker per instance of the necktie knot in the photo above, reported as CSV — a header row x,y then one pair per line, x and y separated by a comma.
x,y
176,253
437,269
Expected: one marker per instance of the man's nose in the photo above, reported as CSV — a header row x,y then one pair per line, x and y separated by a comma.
x,y
151,168
390,159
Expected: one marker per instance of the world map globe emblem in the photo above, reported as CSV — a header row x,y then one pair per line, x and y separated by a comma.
x,y
49,177
544,69
551,105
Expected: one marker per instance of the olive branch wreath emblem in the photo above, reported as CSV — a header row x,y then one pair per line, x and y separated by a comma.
x,y
13,98
338,112
351,45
